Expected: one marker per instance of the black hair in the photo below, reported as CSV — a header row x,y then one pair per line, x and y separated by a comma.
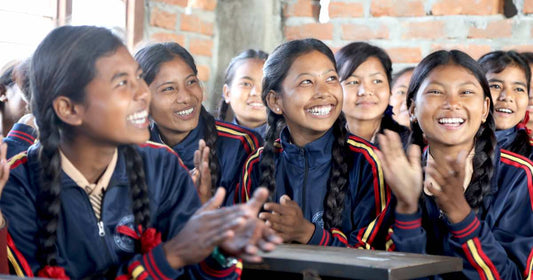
x,y
150,59
275,70
230,74
400,73
528,56
496,62
23,72
351,56
63,65
484,140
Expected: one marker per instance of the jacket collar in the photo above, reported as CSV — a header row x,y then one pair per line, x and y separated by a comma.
x,y
317,152
506,137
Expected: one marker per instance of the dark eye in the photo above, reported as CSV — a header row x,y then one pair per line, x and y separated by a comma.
x,y
168,89
495,86
433,91
331,78
521,90
122,83
306,82
192,82
246,84
400,92
140,76
468,92
353,82
377,81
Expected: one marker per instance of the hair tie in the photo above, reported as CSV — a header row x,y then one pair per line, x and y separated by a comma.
x,y
149,238
523,124
55,272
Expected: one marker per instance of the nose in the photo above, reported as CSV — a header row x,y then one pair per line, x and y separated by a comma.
x,y
183,96
142,92
322,89
452,101
504,96
256,90
365,89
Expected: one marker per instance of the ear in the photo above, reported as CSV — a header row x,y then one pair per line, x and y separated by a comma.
x,y
226,93
68,111
412,109
485,111
274,102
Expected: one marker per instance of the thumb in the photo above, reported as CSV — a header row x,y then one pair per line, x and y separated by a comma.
x,y
215,201
284,199
259,198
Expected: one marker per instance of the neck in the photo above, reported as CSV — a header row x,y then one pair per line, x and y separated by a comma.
x,y
250,124
302,140
365,129
172,138
439,152
89,157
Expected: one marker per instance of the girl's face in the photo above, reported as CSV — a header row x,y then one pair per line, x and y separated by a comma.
x,y
509,94
366,91
177,98
398,99
310,97
117,101
450,106
244,94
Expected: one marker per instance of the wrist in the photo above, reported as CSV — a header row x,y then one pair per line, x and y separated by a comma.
x,y
174,260
406,208
309,229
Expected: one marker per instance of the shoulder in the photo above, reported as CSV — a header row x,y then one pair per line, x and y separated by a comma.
x,y
357,144
157,154
516,173
249,139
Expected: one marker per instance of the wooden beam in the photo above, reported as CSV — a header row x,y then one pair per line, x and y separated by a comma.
x,y
64,12
134,22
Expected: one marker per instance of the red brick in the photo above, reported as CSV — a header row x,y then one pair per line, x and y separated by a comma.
x,y
208,5
528,6
201,47
397,8
471,7
494,29
314,30
423,30
182,3
298,8
475,51
362,32
168,37
195,24
163,19
405,54
519,48
203,72
342,9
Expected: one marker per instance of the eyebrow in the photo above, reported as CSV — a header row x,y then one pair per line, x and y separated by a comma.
x,y
246,77
373,74
122,74
306,73
172,82
514,83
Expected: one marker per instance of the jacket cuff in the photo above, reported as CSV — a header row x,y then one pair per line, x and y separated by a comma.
x,y
212,268
408,224
320,236
466,229
22,133
156,264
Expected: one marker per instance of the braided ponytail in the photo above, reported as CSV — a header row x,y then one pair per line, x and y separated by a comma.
x,y
139,189
211,136
267,164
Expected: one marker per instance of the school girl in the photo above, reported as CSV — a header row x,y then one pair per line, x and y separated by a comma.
x,y
12,100
365,75
399,86
66,200
180,120
472,200
529,58
326,186
242,91
509,77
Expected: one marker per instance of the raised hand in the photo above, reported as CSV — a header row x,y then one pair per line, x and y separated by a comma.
x,y
288,221
201,174
403,173
254,234
449,195
207,228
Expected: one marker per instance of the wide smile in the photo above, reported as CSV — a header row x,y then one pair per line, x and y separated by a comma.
x,y
320,111
451,123
185,114
504,111
139,119
256,104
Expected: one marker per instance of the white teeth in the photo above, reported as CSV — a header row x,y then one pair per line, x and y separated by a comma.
x,y
138,118
504,110
320,110
185,112
451,121
256,104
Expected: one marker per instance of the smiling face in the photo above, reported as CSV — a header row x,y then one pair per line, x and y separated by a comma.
x,y
366,91
398,99
116,101
450,106
244,93
509,93
310,97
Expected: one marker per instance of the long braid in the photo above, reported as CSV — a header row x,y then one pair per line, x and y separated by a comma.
x,y
267,164
483,165
338,176
139,190
49,205
211,136
223,110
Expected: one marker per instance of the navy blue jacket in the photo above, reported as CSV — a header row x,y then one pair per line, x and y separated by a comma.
x,y
234,144
506,137
302,174
83,249
495,241
19,139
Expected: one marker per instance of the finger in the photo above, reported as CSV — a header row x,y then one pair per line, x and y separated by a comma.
x,y
433,172
281,228
270,218
276,207
259,198
251,249
250,258
214,202
196,159
219,237
395,143
284,200
414,156
435,190
270,235
383,147
205,154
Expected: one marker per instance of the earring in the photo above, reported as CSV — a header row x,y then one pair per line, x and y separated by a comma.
x,y
226,100
412,118
277,109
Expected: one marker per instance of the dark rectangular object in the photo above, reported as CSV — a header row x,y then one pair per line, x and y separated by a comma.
x,y
354,263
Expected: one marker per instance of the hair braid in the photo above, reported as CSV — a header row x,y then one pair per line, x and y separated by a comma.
x,y
211,136
139,190
267,164
223,110
338,176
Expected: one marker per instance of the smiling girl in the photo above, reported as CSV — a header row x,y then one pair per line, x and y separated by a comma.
x,y
326,185
472,200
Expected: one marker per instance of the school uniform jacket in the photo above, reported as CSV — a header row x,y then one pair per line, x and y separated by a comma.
x,y
234,144
88,247
506,137
495,241
19,139
302,174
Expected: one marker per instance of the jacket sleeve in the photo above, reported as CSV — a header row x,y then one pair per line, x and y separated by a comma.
x,y
19,139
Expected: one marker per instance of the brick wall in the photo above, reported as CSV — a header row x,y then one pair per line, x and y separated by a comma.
x,y
189,23
411,29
